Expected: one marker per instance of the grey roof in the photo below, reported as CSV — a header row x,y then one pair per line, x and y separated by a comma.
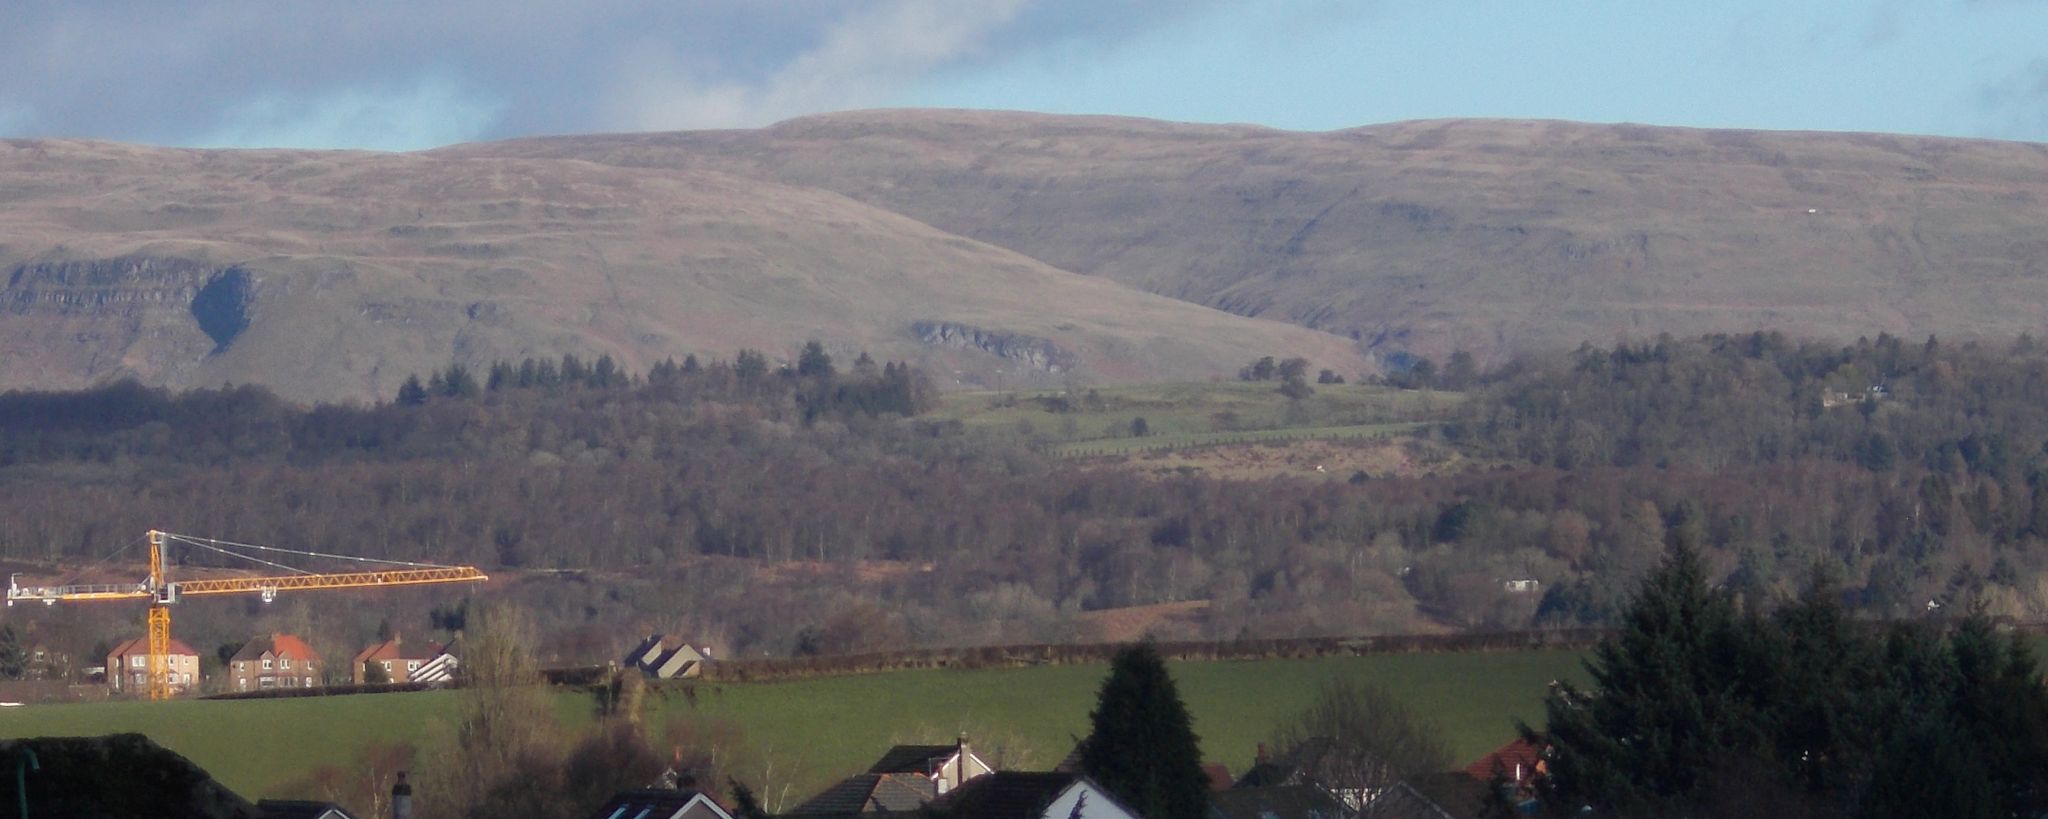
x,y
662,800
870,793
919,759
1005,795
299,809
1454,795
1277,802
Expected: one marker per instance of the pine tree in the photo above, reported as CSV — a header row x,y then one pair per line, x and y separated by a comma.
x,y
1143,748
410,393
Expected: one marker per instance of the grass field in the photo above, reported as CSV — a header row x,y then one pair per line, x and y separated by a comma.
x,y
1099,420
829,727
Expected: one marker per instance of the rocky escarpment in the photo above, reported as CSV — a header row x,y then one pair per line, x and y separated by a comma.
x,y
1038,353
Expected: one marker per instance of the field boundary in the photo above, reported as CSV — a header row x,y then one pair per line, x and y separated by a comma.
x,y
1099,447
1015,656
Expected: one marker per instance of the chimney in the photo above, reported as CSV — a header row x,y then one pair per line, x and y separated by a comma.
x,y
401,798
1261,758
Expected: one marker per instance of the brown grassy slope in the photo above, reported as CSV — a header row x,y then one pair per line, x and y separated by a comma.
x,y
1489,234
335,274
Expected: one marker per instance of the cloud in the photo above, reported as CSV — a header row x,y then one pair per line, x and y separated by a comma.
x,y
398,74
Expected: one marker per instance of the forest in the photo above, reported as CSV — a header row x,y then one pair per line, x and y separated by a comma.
x,y
812,507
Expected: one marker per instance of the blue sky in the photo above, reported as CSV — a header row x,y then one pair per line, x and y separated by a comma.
x,y
395,76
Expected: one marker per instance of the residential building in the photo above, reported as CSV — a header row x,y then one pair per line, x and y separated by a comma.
x,y
661,804
903,780
1278,802
442,668
1021,795
669,656
397,660
128,667
274,661
297,809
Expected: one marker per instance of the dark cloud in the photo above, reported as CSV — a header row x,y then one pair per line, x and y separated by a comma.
x,y
379,71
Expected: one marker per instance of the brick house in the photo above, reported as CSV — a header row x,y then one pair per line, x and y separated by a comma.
x,y
128,667
274,661
397,659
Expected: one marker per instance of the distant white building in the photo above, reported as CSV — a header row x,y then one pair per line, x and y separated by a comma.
x,y
669,657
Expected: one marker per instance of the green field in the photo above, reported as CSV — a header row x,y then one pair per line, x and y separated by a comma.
x,y
1099,420
829,727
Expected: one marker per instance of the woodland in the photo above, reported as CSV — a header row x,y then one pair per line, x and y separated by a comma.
x,y
813,508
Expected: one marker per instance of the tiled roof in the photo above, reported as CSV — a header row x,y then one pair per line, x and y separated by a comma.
x,y
919,759
1276,802
1520,753
1005,795
296,809
279,645
654,803
1219,775
396,649
140,645
870,792
1431,796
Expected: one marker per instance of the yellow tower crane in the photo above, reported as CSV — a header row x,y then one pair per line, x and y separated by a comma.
x,y
162,592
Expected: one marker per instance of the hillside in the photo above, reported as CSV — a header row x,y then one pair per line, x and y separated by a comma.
x,y
1420,237
330,275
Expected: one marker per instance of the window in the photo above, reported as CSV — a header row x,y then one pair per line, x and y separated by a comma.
x,y
241,666
241,683
266,664
284,663
266,682
135,661
412,665
309,682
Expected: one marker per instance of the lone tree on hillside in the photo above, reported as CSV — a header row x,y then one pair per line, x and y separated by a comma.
x,y
1143,747
1357,738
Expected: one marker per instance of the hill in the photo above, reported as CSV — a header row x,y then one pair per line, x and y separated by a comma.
x,y
330,275
1419,237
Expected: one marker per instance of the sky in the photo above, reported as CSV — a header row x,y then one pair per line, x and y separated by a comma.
x,y
388,75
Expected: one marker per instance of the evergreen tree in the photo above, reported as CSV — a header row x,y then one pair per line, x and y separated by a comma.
x,y
13,659
1143,748
814,362
411,394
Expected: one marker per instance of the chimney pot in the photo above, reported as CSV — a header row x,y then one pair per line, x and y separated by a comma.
x,y
401,798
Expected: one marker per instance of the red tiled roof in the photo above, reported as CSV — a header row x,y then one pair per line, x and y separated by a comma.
x,y
1219,776
1520,753
140,645
395,649
278,645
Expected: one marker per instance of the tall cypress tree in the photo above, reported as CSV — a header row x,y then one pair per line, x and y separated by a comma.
x,y
1143,748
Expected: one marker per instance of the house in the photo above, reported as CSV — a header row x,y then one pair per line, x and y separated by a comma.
x,y
128,667
668,657
274,661
396,659
1022,795
661,804
1519,761
441,668
1453,795
1521,585
1278,802
1346,771
903,780
296,809
947,766
869,793
46,663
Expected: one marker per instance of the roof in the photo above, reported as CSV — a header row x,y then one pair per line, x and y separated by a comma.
x,y
140,645
120,776
871,792
917,759
1219,775
655,803
1006,795
298,809
277,645
1520,753
1453,795
1276,802
396,649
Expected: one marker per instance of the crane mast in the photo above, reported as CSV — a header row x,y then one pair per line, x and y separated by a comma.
x,y
161,592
